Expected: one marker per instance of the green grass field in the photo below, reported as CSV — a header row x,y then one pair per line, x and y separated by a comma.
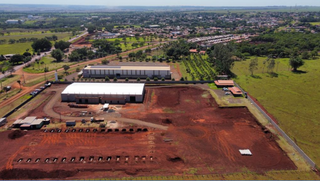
x,y
293,98
315,23
21,47
48,62
17,48
18,35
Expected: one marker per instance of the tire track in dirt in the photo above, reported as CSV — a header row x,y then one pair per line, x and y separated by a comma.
x,y
223,145
9,164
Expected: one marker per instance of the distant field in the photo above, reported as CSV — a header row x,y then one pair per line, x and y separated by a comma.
x,y
14,48
21,47
315,23
48,62
292,98
17,36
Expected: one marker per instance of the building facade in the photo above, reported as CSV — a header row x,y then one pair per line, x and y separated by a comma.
x,y
127,72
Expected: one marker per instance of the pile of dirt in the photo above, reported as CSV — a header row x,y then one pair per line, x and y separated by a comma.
x,y
34,174
166,121
174,158
16,134
131,171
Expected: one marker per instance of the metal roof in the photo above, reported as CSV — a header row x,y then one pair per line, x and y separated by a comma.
x,y
105,89
245,152
105,67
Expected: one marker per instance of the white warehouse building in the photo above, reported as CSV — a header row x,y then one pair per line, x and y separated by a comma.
x,y
101,71
95,93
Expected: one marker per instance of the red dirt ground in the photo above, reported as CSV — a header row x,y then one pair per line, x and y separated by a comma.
x,y
201,135
214,134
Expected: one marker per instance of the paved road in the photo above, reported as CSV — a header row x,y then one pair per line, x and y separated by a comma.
x,y
37,57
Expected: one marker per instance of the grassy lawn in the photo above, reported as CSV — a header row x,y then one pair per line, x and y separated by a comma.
x,y
6,109
291,97
17,48
21,47
315,23
48,62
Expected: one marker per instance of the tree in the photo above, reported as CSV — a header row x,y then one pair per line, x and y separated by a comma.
x,y
314,53
104,62
66,67
305,55
295,63
57,54
15,59
27,54
19,82
222,58
74,56
253,65
91,29
271,65
42,44
62,45
148,50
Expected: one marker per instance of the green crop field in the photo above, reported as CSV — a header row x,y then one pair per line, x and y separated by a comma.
x,y
48,62
292,98
196,67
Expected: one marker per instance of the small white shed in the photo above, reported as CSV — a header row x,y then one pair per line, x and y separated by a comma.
x,y
245,152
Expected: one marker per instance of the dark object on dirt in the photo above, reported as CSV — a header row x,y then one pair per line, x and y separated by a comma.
x,y
174,158
167,121
131,171
34,174
16,134
77,106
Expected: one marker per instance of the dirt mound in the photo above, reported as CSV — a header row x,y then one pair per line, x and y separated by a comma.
x,y
166,121
16,134
174,158
131,171
34,174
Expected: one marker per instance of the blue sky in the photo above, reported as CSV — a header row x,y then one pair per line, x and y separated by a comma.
x,y
170,2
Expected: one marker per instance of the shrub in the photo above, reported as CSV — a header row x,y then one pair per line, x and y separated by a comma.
x,y
148,79
138,79
155,78
106,78
162,79
127,79
115,79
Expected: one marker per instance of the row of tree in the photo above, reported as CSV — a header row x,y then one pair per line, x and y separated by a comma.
x,y
282,45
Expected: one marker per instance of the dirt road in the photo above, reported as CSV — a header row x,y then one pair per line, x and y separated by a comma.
x,y
48,109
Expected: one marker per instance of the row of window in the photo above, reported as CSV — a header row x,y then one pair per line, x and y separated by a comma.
x,y
128,72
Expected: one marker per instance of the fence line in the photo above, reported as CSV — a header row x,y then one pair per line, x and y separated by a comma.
x,y
288,139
